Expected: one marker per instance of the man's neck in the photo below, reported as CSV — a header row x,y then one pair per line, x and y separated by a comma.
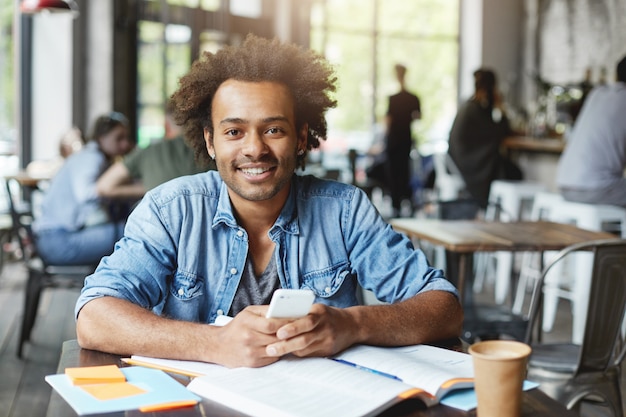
x,y
257,216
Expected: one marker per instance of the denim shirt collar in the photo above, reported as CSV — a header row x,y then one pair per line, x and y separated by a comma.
x,y
286,221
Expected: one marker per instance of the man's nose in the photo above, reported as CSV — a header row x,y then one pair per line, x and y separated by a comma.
x,y
254,144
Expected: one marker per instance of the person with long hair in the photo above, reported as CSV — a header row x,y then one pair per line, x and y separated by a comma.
x,y
77,226
477,132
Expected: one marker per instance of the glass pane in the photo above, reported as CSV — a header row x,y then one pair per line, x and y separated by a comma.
x,y
212,40
151,124
187,3
431,75
7,83
350,14
246,8
418,18
178,62
352,57
211,5
151,81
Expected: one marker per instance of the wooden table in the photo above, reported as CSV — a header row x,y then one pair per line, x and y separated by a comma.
x,y
27,180
462,238
535,402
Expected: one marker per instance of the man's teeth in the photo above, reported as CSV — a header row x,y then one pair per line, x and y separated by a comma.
x,y
254,171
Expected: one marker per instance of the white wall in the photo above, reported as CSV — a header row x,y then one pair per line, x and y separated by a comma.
x,y
51,82
99,60
491,36
470,45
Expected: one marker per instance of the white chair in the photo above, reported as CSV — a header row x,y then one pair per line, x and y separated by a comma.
x,y
449,183
569,279
507,202
573,283
543,204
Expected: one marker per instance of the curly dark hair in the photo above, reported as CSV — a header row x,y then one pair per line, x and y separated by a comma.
x,y
307,75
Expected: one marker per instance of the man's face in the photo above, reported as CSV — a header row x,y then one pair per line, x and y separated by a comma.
x,y
255,142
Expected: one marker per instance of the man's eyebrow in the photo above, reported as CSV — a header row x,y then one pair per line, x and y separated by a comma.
x,y
275,119
235,120
238,120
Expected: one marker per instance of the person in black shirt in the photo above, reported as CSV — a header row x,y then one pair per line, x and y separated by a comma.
x,y
404,107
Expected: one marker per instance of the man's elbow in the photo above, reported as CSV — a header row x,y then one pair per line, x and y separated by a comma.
x,y
87,328
453,316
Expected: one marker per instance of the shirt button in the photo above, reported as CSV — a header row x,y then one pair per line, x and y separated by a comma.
x,y
220,312
233,271
181,291
327,290
239,233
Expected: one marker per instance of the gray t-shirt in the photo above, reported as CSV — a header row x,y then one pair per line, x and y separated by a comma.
x,y
595,154
253,290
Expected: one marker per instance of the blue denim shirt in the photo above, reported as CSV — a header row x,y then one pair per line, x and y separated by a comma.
x,y
183,252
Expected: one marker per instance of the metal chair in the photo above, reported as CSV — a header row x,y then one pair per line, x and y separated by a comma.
x,y
41,275
569,372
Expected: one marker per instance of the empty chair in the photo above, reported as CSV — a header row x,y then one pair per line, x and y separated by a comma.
x,y
449,183
571,372
507,202
544,203
572,281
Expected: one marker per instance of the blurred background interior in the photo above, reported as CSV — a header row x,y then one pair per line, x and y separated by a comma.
x,y
62,67
58,71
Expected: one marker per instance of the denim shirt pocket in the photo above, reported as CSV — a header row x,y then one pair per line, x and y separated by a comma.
x,y
326,283
186,300
186,286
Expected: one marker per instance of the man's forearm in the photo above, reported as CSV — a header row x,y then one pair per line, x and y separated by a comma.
x,y
427,317
117,326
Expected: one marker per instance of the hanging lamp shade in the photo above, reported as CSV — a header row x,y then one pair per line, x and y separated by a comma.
x,y
48,6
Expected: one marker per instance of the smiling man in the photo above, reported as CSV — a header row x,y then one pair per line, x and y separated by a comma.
x,y
220,243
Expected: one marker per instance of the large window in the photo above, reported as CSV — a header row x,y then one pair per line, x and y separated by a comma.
x,y
7,80
364,39
164,55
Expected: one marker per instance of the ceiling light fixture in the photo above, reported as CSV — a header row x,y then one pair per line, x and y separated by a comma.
x,y
49,6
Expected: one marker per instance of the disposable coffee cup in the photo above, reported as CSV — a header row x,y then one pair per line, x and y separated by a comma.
x,y
499,372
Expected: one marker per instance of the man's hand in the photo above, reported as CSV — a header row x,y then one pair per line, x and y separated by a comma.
x,y
247,336
324,331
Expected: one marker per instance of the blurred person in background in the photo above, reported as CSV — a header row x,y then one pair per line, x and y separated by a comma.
x,y
404,107
72,141
477,132
144,169
76,226
591,168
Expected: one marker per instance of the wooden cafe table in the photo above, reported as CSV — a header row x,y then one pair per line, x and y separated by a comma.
x,y
535,403
462,238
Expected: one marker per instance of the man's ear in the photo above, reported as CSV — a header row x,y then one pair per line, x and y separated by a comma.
x,y
208,140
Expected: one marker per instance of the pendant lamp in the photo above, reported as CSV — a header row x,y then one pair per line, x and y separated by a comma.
x,y
49,6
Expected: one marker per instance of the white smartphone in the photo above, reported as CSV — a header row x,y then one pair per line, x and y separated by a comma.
x,y
290,304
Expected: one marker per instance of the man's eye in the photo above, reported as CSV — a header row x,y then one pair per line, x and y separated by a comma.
x,y
232,132
274,130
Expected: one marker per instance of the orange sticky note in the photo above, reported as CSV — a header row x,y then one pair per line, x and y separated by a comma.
x,y
112,391
95,374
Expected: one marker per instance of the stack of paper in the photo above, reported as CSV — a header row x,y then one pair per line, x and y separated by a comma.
x,y
92,390
106,374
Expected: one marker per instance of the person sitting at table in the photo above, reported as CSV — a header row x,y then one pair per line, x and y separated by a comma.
x,y
144,169
76,226
220,242
591,168
477,132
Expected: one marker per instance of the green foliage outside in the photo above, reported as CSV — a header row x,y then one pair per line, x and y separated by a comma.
x,y
364,39
7,83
